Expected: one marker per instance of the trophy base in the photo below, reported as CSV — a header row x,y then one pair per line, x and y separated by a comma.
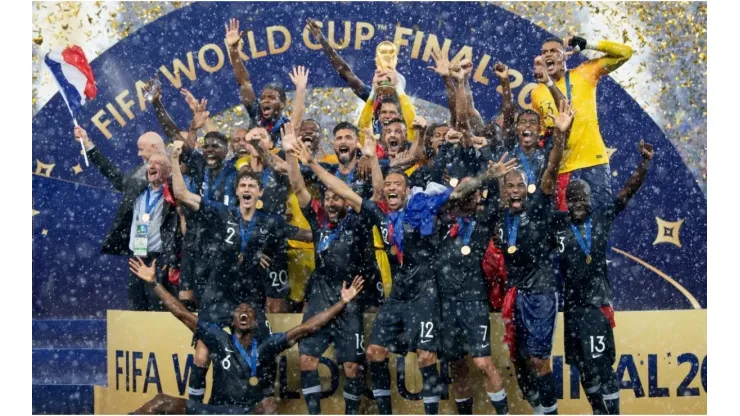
x,y
386,89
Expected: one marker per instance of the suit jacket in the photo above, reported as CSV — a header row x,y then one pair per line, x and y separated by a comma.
x,y
131,186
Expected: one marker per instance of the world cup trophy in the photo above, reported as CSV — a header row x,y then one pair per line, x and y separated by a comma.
x,y
386,58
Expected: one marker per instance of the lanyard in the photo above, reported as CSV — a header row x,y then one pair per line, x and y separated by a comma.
x,y
265,176
511,229
395,232
326,239
245,235
528,167
147,206
208,189
468,226
252,363
585,245
568,88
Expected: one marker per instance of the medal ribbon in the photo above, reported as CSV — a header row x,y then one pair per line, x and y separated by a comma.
x,y
252,363
326,239
208,188
467,227
245,235
568,88
147,206
585,245
265,176
511,229
528,168
395,222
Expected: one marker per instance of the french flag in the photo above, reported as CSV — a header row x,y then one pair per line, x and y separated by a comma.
x,y
74,76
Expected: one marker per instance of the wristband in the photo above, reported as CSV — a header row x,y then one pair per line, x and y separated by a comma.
x,y
549,83
153,283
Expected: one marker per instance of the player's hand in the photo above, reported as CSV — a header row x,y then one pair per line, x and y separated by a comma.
x,y
540,71
501,71
385,76
479,142
441,62
232,32
467,67
265,261
302,152
200,116
349,293
315,29
177,146
288,137
139,268
156,92
369,148
364,169
453,136
502,167
646,150
576,43
299,76
190,99
419,123
81,136
564,118
456,71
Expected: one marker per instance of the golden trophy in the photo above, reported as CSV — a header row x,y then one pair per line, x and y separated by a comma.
x,y
386,58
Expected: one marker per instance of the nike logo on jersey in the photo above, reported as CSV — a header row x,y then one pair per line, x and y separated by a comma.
x,y
424,341
228,350
596,355
231,222
486,345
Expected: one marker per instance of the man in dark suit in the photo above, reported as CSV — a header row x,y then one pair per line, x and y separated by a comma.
x,y
146,223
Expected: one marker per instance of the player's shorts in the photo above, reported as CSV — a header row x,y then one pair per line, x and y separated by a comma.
x,y
403,326
300,267
194,272
534,321
275,278
466,329
598,177
195,408
589,338
345,331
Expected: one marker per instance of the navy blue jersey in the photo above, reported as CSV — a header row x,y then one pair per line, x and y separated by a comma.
x,y
239,243
460,276
275,189
339,252
412,262
585,284
529,268
231,371
363,188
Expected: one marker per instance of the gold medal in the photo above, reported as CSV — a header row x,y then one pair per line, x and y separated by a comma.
x,y
259,204
145,217
453,182
588,259
511,249
253,381
531,188
485,193
240,258
465,250
394,251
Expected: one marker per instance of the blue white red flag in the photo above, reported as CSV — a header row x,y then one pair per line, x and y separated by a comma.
x,y
73,75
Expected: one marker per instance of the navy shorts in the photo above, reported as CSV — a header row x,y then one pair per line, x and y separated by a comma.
x,y
589,338
275,278
195,408
534,320
194,272
466,326
345,331
403,326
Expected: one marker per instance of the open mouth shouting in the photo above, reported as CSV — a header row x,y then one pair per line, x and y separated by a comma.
x,y
516,202
393,199
527,138
267,110
550,65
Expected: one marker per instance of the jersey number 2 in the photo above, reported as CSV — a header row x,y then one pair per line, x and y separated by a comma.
x,y
230,237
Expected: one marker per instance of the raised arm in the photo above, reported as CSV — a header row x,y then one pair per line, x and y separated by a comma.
x,y
322,318
107,169
168,125
147,273
541,75
337,186
297,184
638,176
246,92
616,54
563,122
181,191
442,68
339,64
474,118
369,152
508,112
299,76
494,171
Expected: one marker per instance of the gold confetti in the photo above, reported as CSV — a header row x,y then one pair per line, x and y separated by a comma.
x,y
77,169
44,232
34,212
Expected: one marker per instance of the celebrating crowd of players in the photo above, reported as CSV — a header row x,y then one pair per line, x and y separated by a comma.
x,y
436,222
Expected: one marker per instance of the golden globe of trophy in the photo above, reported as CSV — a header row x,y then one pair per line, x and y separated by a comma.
x,y
386,58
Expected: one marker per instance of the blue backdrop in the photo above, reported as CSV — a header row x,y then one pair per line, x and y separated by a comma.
x,y
71,278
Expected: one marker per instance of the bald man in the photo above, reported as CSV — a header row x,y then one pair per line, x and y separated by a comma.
x,y
147,144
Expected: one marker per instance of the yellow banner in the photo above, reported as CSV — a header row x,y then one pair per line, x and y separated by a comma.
x,y
661,363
